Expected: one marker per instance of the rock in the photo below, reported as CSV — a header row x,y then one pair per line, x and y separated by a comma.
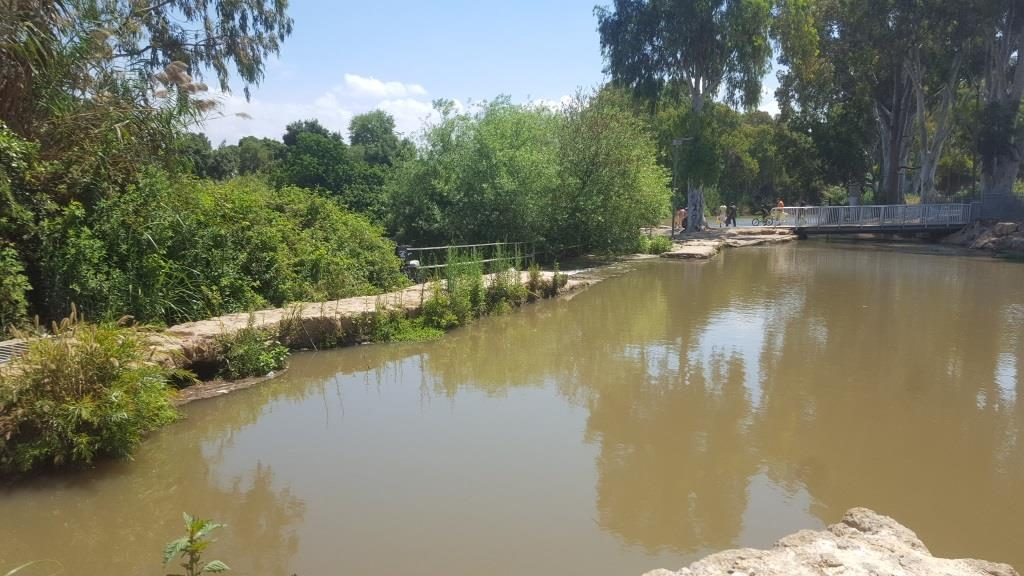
x,y
1005,228
864,543
693,250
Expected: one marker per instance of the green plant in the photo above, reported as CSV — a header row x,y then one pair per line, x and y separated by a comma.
x,y
394,326
190,547
659,245
249,352
13,286
437,310
533,282
88,391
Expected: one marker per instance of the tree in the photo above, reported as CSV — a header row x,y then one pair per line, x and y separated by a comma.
x,y
292,131
1001,142
204,34
196,153
373,135
256,155
697,47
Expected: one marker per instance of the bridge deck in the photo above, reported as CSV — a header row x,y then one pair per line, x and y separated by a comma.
x,y
863,219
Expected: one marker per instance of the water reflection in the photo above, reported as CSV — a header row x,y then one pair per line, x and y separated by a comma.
x,y
676,410
116,518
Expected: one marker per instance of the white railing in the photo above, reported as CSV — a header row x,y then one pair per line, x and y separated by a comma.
x,y
889,216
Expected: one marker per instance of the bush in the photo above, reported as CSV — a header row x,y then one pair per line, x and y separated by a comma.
x,y
250,352
84,393
13,286
171,251
659,245
395,326
583,178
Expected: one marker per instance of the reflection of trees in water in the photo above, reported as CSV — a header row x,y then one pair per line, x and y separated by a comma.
x,y
875,379
674,460
116,518
900,408
876,376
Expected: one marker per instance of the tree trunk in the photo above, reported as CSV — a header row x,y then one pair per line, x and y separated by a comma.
x,y
1000,176
695,208
853,193
893,116
931,145
695,192
1004,87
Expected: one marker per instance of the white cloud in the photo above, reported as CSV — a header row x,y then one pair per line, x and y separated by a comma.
x,y
370,87
334,109
553,105
264,119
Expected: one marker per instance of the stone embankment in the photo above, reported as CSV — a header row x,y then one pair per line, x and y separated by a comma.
x,y
864,543
302,325
706,245
999,237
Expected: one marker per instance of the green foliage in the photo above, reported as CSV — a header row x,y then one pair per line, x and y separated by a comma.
x,y
87,392
583,178
374,140
393,325
249,352
316,158
694,46
13,287
190,548
654,245
173,250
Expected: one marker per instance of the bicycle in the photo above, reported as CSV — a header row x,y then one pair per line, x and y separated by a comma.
x,y
762,220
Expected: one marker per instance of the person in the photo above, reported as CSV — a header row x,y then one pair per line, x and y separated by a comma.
x,y
686,219
779,212
730,215
721,215
677,221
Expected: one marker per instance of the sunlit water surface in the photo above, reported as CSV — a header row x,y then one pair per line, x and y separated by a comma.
x,y
671,411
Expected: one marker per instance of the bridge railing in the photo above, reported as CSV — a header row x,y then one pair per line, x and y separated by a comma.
x,y
887,216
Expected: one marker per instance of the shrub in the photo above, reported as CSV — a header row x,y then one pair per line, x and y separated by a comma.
x,y
389,325
175,250
13,286
659,245
250,352
437,310
84,393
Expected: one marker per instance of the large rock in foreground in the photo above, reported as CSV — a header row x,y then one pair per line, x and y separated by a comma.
x,y
864,543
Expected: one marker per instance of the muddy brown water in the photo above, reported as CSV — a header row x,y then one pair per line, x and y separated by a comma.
x,y
675,410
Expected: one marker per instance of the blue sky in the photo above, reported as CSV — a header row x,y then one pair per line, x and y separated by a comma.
x,y
347,57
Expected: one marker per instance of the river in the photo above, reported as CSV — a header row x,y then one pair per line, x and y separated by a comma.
x,y
670,411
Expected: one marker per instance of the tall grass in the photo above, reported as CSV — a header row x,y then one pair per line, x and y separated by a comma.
x,y
88,391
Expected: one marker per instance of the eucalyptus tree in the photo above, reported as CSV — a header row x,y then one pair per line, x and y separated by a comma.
x,y
701,48
1001,142
907,58
840,52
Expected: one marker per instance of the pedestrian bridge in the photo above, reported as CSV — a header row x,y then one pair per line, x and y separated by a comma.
x,y
863,219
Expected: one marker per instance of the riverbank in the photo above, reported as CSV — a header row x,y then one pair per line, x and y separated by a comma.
x,y
864,543
706,245
1003,238
301,326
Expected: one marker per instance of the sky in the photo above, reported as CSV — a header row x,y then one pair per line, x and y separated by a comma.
x,y
348,57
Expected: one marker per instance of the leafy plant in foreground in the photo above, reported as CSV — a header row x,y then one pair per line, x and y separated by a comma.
x,y
88,391
190,547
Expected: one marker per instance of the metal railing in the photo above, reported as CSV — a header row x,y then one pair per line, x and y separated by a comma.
x,y
911,216
11,349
